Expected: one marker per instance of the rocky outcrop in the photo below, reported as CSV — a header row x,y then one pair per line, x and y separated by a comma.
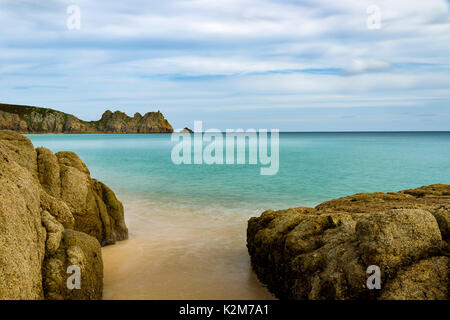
x,y
52,215
324,252
119,122
75,249
186,130
28,119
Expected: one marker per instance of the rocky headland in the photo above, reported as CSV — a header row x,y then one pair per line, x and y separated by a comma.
x,y
52,215
324,252
28,119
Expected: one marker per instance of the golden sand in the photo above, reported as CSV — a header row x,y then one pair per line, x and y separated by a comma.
x,y
181,254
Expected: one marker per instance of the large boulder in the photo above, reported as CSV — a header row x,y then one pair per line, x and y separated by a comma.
x,y
43,197
80,250
48,171
424,280
22,236
95,207
324,252
400,236
20,150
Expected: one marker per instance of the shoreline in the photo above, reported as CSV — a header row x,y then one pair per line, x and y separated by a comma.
x,y
281,132
188,234
83,133
174,254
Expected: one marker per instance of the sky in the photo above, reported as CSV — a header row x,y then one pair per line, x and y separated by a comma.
x,y
314,65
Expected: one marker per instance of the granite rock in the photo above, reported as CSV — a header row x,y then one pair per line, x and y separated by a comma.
x,y
53,215
324,252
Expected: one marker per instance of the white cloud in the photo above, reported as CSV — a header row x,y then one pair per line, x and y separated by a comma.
x,y
139,50
204,65
359,66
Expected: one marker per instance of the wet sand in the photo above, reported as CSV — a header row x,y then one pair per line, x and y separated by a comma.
x,y
181,254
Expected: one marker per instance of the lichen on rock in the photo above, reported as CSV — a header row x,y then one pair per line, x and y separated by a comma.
x,y
76,249
324,252
52,215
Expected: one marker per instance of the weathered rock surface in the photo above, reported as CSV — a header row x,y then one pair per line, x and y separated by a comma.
x,y
75,249
324,252
52,215
22,236
28,119
94,206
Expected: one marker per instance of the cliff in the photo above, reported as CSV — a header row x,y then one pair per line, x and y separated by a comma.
x,y
324,252
52,215
28,119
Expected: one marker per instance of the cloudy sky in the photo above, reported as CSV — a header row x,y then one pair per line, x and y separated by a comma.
x,y
312,65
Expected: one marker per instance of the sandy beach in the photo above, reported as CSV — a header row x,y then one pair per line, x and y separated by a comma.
x,y
180,255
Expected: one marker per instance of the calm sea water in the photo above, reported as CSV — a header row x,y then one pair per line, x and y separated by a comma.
x,y
314,167
187,223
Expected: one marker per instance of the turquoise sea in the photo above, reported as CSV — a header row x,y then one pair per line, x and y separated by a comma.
x,y
187,223
314,167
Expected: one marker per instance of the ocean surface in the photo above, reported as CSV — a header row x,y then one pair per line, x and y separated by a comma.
x,y
187,223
